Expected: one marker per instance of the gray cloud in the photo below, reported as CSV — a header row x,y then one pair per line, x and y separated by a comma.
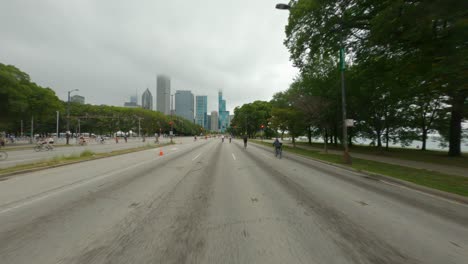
x,y
109,49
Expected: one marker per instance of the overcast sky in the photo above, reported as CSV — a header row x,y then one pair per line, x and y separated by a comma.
x,y
110,49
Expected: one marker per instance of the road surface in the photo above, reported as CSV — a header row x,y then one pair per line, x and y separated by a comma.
x,y
213,202
26,156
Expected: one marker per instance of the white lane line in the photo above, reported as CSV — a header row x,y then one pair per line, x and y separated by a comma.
x,y
424,193
196,157
72,186
234,156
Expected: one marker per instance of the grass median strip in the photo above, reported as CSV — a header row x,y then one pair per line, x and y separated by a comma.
x,y
63,160
444,182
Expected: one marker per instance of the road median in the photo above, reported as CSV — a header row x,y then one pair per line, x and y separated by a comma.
x,y
58,161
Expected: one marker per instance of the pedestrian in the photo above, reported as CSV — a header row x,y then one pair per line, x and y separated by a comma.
x,y
245,141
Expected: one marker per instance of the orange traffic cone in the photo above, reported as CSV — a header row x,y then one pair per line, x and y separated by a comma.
x,y
161,152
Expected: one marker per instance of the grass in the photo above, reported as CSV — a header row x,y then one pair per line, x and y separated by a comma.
x,y
444,182
62,160
429,156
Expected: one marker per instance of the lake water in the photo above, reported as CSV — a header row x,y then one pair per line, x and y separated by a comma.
x,y
431,143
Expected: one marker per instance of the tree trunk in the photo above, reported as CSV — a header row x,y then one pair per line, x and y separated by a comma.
x,y
424,139
325,139
379,139
455,125
335,136
386,139
309,135
294,142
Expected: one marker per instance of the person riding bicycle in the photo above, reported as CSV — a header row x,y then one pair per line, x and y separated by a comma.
x,y
50,142
278,145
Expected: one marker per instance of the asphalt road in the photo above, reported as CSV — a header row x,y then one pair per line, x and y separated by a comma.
x,y
25,156
213,202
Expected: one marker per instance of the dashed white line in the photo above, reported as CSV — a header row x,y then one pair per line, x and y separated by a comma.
x,y
196,157
268,156
233,156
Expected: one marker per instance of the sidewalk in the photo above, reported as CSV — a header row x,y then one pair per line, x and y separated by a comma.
x,y
452,170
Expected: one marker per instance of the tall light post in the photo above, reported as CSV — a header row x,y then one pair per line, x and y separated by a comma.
x,y
346,156
68,111
57,128
172,121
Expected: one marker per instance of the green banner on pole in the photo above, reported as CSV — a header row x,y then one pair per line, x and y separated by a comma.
x,y
342,59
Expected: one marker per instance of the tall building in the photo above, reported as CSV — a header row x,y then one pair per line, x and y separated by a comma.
x,y
202,111
131,105
77,99
163,94
223,122
214,121
184,105
134,99
208,122
147,100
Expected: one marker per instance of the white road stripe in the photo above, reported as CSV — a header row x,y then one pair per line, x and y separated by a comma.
x,y
234,156
196,157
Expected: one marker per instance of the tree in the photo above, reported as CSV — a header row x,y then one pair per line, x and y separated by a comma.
x,y
424,40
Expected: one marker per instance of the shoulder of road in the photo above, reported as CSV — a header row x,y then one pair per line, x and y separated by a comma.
x,y
442,180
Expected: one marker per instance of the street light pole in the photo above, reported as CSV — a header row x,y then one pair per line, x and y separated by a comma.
x,y
346,156
57,129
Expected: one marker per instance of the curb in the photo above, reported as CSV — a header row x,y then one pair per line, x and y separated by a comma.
x,y
381,177
8,174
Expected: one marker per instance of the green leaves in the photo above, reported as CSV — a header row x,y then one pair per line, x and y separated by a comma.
x,y
398,51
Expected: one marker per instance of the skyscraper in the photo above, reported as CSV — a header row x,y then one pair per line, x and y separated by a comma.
x,y
163,94
214,121
202,111
147,100
223,122
184,105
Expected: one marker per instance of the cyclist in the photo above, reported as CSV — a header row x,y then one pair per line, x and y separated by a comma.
x,y
230,138
50,142
222,138
278,147
245,141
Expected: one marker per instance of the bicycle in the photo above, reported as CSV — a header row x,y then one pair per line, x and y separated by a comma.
x,y
3,155
41,147
279,152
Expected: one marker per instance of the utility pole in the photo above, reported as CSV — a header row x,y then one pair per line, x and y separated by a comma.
x,y
32,129
57,129
346,156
